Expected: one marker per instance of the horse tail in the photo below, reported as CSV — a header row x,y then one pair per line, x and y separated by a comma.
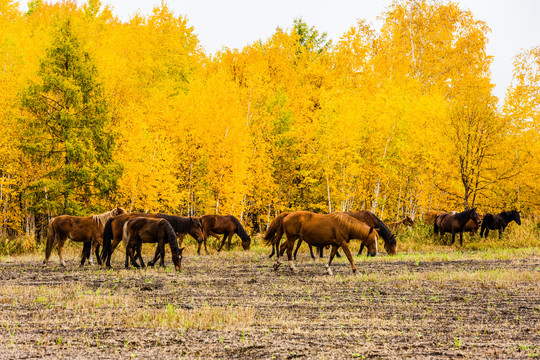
x,y
275,230
240,230
435,226
107,239
51,237
125,235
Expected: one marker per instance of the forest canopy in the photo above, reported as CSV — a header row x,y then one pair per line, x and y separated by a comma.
x,y
96,112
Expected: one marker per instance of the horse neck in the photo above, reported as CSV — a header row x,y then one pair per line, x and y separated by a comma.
x,y
357,231
464,217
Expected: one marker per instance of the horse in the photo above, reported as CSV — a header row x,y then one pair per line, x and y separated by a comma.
x,y
454,223
499,222
335,229
112,232
150,230
87,229
396,226
430,216
370,219
228,225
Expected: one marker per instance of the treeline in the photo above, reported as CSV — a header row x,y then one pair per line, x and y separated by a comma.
x,y
400,120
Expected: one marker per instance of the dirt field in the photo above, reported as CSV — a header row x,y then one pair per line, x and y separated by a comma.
x,y
236,306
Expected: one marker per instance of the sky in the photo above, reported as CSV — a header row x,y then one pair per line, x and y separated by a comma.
x,y
234,24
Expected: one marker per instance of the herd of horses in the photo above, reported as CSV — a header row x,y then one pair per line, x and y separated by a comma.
x,y
333,230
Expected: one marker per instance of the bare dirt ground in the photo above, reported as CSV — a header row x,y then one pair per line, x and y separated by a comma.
x,y
235,306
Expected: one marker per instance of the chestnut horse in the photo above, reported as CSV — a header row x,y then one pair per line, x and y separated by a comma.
x,y
87,229
335,229
454,223
368,218
430,216
499,222
112,233
396,226
150,230
228,225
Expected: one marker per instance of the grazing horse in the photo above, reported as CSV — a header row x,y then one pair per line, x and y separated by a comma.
x,y
112,233
370,219
454,223
150,230
87,229
335,229
228,225
366,217
396,226
499,222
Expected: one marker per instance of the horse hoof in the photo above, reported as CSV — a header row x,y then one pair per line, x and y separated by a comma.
x,y
276,266
63,264
354,271
329,272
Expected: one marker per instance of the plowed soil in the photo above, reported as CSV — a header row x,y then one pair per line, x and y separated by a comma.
x,y
235,306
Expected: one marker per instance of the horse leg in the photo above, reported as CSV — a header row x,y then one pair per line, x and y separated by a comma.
x,y
222,242
273,251
332,254
290,247
311,252
347,252
60,248
279,253
453,237
86,252
297,247
96,252
199,248
162,251
360,251
229,241
321,251
461,238
139,253
156,257
205,249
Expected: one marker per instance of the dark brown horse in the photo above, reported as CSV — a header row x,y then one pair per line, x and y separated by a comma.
x,y
87,229
398,225
454,223
370,219
150,230
499,222
112,233
214,225
335,229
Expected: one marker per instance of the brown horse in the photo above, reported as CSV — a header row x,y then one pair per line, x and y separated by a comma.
x,y
430,216
334,229
214,225
149,230
366,217
370,219
396,226
454,223
81,229
113,231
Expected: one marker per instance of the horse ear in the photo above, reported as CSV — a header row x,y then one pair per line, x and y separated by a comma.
x,y
181,249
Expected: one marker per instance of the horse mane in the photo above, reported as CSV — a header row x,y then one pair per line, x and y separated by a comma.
x,y
171,235
357,225
180,224
240,230
101,219
464,214
385,232
509,215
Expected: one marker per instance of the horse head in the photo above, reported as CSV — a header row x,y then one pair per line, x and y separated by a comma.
x,y
196,229
177,259
371,242
516,216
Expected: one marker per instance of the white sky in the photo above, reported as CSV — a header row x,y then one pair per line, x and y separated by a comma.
x,y
515,24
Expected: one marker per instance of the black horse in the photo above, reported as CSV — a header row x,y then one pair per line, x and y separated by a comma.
x,y
499,222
